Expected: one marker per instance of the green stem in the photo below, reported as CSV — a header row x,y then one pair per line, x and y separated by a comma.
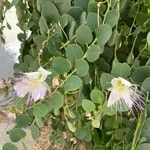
x,y
139,128
138,131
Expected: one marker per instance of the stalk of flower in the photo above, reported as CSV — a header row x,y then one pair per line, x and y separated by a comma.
x,y
33,83
124,95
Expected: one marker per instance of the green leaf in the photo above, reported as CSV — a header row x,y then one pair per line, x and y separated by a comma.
x,y
16,134
50,12
38,40
88,137
64,6
105,80
82,4
71,126
84,35
43,26
35,132
144,146
9,146
109,111
82,67
93,52
141,73
88,105
61,65
97,96
75,13
74,52
40,110
148,38
112,17
39,121
57,100
96,123
147,123
54,43
73,83
146,85
92,21
103,33
113,38
80,133
23,120
121,70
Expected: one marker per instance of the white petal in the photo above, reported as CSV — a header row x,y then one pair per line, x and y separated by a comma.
x,y
127,99
125,82
113,98
39,92
44,73
32,75
22,89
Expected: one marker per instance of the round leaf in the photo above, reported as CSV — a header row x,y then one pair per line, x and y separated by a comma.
x,y
61,65
93,53
74,52
16,134
80,133
103,33
144,146
35,132
92,21
88,105
141,73
146,85
112,17
105,80
82,4
50,12
84,35
43,26
82,67
9,146
23,120
73,83
97,96
56,100
40,110
121,70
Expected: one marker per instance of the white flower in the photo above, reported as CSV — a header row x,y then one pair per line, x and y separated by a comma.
x,y
33,83
124,95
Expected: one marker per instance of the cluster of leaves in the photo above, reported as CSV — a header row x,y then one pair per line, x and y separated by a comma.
x,y
85,43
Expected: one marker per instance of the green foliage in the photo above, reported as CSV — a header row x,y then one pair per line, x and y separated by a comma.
x,y
35,132
85,43
88,105
74,52
16,134
56,101
121,70
61,65
84,35
23,120
9,146
103,33
93,53
82,67
40,110
97,96
73,83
